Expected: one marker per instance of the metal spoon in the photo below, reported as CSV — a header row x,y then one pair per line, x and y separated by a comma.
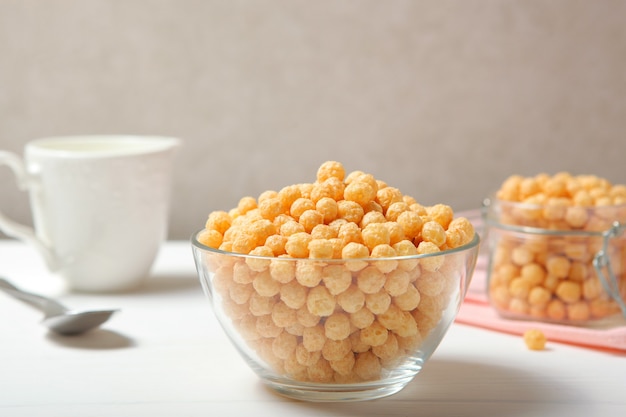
x,y
57,317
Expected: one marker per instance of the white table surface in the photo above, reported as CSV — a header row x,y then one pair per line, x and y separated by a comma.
x,y
164,354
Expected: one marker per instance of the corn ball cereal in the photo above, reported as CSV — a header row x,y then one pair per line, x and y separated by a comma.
x,y
324,292
535,339
547,273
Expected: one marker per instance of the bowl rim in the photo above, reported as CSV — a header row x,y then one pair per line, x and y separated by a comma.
x,y
474,243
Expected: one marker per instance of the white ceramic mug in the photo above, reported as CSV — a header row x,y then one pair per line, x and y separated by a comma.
x,y
100,206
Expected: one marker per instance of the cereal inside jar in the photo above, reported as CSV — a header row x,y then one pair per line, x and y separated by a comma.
x,y
544,233
342,280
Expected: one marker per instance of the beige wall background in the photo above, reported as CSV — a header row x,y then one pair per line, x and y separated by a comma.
x,y
441,99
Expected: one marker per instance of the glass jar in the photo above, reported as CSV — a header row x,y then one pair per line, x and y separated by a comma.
x,y
562,264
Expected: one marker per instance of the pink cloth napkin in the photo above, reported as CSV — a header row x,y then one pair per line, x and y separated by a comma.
x,y
476,311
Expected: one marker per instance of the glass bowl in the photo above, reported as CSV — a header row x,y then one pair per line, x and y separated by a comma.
x,y
335,330
563,264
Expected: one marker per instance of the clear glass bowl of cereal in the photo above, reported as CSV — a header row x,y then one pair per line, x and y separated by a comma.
x,y
335,290
558,253
334,329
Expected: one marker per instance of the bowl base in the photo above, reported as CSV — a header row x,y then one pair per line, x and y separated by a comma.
x,y
336,392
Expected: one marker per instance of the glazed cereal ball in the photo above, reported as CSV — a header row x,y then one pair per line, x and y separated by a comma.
x,y
375,334
211,238
411,224
395,209
306,357
441,213
378,302
309,274
297,245
337,326
359,192
367,366
331,188
432,263
219,221
362,318
265,285
433,232
270,208
321,249
282,270
375,234
300,206
337,279
288,195
293,294
328,207
370,280
355,251
349,232
330,169
387,196
320,302
350,210
535,339
335,350
313,338
352,299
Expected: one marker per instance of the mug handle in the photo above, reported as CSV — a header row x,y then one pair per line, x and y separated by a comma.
x,y
17,230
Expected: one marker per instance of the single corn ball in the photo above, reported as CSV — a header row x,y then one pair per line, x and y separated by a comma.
x,y
284,345
320,372
378,302
350,210
362,318
265,285
297,245
293,294
328,207
367,366
330,169
306,318
336,278
266,326
313,338
320,301
282,270
219,221
433,232
310,218
375,334
337,326
307,357
430,263
395,209
370,280
375,234
387,196
283,315
260,264
308,274
535,339
211,238
411,223
300,206
344,365
336,349
352,299
270,208
321,249
359,192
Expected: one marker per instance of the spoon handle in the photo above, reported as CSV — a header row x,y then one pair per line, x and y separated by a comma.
x,y
48,305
